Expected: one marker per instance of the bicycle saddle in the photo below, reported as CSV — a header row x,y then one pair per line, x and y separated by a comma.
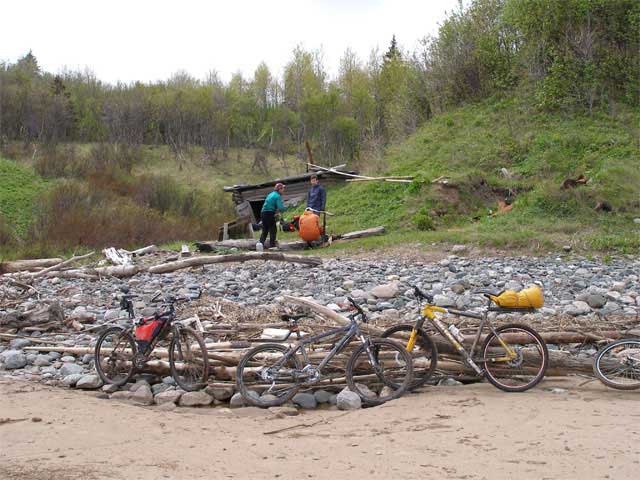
x,y
487,292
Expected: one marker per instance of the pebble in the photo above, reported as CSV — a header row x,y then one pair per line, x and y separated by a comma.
x,y
195,399
348,400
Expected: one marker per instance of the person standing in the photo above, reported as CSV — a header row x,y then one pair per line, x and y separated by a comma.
x,y
317,196
272,204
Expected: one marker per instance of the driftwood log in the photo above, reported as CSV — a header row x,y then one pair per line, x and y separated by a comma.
x,y
242,257
28,265
43,317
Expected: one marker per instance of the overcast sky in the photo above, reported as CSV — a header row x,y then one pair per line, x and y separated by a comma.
x,y
148,40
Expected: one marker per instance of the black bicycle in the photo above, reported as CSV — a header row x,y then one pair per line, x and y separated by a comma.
x,y
378,370
120,352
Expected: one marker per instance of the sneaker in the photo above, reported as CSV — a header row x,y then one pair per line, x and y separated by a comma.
x,y
259,247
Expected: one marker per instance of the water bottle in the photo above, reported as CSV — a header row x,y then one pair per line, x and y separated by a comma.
x,y
456,333
259,247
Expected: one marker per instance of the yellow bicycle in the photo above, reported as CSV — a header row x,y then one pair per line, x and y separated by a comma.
x,y
512,357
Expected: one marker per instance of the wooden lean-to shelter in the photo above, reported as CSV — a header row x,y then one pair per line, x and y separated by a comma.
x,y
248,199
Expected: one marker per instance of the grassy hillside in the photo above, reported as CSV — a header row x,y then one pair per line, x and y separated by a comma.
x,y
471,145
20,187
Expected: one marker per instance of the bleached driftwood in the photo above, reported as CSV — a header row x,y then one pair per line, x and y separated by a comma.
x,y
241,257
60,265
143,250
28,265
117,257
52,314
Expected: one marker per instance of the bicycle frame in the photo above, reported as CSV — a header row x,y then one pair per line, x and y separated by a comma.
x,y
350,331
429,313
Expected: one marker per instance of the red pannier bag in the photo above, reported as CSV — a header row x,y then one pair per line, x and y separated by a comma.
x,y
146,331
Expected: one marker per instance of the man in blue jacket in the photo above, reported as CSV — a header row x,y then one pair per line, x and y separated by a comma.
x,y
317,196
272,204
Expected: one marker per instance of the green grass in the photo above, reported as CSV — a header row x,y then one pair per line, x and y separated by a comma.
x,y
470,146
20,188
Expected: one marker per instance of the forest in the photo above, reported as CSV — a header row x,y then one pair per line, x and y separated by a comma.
x,y
87,139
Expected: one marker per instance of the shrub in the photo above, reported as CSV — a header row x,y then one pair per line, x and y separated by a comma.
x,y
423,221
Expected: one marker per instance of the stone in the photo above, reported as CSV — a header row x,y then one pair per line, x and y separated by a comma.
x,y
358,294
139,384
220,393
42,361
457,288
281,412
71,380
305,400
348,284
142,396
14,359
618,286
122,395
19,343
577,308
348,400
595,300
160,387
444,301
168,396
449,382
109,388
322,396
457,249
89,382
70,368
195,399
388,290
237,400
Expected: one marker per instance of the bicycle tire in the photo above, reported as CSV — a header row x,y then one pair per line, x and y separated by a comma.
x,y
252,380
425,358
109,363
537,359
193,373
392,375
617,365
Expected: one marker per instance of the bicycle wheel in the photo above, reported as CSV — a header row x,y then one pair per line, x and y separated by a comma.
x,y
265,377
424,353
114,356
618,364
523,371
188,359
379,371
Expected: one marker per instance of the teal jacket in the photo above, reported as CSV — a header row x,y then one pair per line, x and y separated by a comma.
x,y
273,202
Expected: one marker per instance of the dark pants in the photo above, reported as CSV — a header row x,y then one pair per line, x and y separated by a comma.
x,y
268,226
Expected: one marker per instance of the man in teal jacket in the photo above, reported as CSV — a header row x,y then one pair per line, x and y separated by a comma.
x,y
272,204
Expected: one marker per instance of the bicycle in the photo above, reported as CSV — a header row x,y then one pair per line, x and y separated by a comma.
x,y
514,357
271,374
119,354
617,365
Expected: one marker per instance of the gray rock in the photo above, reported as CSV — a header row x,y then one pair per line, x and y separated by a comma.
x,y
89,382
168,396
142,396
457,249
388,290
348,284
458,288
305,400
139,384
449,382
348,400
222,394
577,308
72,380
237,400
444,301
195,399
42,361
160,387
322,396
19,343
123,395
70,369
595,300
281,412
14,359
109,388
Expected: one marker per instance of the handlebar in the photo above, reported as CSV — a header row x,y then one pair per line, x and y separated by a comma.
x,y
359,310
421,295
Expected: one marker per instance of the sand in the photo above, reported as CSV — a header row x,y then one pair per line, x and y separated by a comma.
x,y
585,431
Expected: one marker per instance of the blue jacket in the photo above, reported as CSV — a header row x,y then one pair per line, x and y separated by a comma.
x,y
273,202
317,198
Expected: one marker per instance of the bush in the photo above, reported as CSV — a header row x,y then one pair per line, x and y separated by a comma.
x,y
7,236
423,221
